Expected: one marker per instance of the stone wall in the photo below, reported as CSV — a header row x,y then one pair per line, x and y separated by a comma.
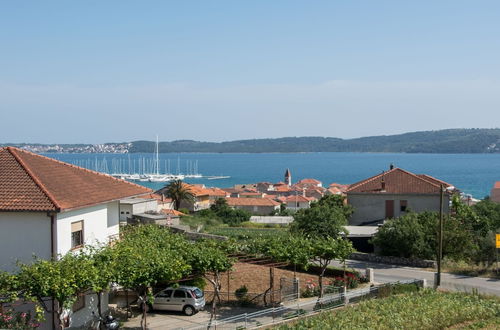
x,y
370,257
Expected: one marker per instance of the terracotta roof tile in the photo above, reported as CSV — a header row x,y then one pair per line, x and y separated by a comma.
x,y
398,181
298,198
30,182
232,201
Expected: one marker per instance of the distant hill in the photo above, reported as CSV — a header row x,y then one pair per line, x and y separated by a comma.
x,y
441,141
474,140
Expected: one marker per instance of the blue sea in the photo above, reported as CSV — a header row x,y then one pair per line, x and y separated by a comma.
x,y
473,174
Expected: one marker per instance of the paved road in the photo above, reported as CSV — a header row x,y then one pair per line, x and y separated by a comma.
x,y
389,273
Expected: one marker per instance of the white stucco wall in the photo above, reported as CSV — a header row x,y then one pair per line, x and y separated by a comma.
x,y
371,207
95,226
113,218
23,234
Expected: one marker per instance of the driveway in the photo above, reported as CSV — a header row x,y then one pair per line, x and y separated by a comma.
x,y
388,273
177,320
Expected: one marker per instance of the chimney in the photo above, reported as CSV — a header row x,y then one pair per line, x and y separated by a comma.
x,y
391,167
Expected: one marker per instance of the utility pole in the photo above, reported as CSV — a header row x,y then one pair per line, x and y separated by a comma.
x,y
440,238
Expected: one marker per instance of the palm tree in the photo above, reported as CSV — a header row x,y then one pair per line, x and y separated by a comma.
x,y
178,191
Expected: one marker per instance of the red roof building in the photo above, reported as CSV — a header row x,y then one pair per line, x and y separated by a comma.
x,y
393,193
48,207
30,182
495,192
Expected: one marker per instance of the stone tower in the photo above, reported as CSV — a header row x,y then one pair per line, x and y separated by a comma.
x,y
288,177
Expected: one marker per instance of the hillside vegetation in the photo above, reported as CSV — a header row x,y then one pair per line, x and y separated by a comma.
x,y
442,141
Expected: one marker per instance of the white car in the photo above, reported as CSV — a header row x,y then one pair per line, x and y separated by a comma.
x,y
186,299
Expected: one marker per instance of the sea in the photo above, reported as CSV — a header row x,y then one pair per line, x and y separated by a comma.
x,y
473,174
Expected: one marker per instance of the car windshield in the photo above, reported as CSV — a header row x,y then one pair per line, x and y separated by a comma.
x,y
197,293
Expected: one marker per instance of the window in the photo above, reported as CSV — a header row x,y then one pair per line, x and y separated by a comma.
x,y
77,234
79,302
165,294
403,205
179,294
122,212
128,212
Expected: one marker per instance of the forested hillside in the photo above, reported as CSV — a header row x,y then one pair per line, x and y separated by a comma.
x,y
442,141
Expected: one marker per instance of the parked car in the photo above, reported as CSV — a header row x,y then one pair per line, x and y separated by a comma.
x,y
186,299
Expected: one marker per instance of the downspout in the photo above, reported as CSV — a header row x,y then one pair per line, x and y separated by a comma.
x,y
53,255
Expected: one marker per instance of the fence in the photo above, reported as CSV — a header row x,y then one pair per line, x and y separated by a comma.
x,y
296,309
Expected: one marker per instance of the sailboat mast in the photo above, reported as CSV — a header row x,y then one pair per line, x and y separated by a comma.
x,y
157,157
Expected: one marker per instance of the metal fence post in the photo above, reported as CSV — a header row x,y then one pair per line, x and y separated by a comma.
x,y
246,321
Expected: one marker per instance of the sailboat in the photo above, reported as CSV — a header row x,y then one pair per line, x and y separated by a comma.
x,y
157,177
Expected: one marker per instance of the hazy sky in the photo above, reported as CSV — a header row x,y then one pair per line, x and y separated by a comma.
x,y
109,71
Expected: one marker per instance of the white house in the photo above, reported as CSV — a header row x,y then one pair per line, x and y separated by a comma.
x,y
48,208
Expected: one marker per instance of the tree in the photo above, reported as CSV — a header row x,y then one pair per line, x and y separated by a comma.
x,y
324,250
102,272
178,191
227,214
62,280
210,258
414,235
146,255
325,218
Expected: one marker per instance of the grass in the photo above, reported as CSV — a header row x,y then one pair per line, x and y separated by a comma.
x,y
470,269
425,309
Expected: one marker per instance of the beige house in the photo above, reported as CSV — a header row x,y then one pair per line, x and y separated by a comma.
x,y
393,193
257,206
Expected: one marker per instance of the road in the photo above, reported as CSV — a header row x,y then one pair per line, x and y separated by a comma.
x,y
389,273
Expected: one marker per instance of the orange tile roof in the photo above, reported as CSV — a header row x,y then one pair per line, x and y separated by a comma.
x,y
31,182
233,201
313,181
172,212
398,181
497,185
295,199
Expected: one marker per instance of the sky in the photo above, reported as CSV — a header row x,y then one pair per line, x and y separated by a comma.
x,y
113,71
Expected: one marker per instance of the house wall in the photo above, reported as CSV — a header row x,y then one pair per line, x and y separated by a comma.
x,y
495,195
113,218
124,208
371,207
259,210
95,226
293,206
23,234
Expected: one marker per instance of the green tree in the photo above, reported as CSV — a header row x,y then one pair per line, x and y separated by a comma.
x,y
102,272
324,250
414,235
325,218
210,258
147,255
228,215
62,280
178,191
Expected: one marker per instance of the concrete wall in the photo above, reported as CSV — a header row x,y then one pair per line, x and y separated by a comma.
x,y
258,210
126,212
113,218
371,207
271,219
292,206
23,234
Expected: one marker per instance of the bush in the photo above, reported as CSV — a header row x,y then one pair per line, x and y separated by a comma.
x,y
241,292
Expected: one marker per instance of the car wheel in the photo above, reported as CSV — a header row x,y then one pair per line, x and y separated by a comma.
x,y
189,310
